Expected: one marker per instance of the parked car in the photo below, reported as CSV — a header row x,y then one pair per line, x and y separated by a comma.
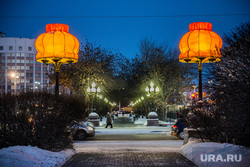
x,y
177,128
80,130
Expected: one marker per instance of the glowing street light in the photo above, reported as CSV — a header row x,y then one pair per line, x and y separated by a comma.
x,y
200,45
95,91
151,90
57,46
13,75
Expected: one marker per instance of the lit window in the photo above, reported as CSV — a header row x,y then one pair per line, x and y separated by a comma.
x,y
13,61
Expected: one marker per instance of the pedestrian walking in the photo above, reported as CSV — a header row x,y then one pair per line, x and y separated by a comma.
x,y
109,120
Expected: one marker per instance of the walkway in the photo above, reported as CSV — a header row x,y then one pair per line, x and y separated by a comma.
x,y
129,158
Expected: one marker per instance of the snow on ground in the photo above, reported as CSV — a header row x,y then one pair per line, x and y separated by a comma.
x,y
201,153
28,156
134,130
123,146
141,121
216,154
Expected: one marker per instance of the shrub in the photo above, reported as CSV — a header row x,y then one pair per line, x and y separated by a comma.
x,y
38,119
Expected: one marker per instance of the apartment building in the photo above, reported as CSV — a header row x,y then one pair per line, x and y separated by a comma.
x,y
19,70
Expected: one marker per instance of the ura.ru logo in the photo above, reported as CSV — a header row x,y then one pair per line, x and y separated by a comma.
x,y
220,158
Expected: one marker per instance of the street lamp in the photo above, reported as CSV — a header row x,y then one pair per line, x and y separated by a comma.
x,y
37,85
150,90
194,88
200,45
13,75
94,91
57,46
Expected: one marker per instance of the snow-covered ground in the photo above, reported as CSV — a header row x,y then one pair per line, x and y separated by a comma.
x,y
27,156
134,130
198,152
216,154
123,146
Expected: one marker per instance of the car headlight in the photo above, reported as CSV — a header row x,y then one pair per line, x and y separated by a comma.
x,y
90,128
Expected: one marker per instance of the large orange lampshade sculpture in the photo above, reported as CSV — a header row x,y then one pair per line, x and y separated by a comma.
x,y
200,45
57,46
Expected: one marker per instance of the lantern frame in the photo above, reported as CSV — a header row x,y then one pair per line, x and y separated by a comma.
x,y
57,45
200,44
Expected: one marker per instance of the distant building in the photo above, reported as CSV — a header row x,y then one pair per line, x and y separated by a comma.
x,y
19,70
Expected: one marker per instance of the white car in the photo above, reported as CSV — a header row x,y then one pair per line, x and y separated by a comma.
x,y
80,130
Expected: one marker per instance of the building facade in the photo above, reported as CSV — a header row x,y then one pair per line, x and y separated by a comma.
x,y
19,70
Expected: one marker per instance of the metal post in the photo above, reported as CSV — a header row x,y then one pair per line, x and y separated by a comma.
x,y
57,70
200,86
92,104
57,84
200,101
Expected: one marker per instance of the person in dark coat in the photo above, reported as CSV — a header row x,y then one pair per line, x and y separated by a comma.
x,y
109,120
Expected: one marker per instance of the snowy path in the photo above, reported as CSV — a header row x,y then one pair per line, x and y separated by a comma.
x,y
137,146
134,130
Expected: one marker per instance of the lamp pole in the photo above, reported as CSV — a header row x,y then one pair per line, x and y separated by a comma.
x,y
93,90
200,101
200,45
150,91
57,46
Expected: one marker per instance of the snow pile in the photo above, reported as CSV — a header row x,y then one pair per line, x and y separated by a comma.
x,y
141,121
216,154
152,114
32,156
162,123
103,121
93,114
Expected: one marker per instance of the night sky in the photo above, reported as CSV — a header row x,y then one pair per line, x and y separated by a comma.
x,y
121,24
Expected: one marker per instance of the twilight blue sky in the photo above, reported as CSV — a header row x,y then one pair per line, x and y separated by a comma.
x,y
121,24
